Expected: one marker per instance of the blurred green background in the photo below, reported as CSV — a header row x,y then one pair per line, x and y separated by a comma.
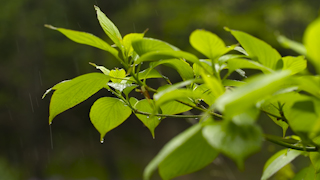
x,y
34,58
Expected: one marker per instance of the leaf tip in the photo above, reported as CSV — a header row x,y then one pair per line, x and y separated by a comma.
x,y
50,26
96,8
227,29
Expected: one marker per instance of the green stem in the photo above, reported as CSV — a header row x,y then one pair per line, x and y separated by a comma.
x,y
166,115
200,109
291,146
278,117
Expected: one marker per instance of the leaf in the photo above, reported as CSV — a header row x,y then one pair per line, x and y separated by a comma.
x,y
257,49
109,28
147,73
105,116
206,96
213,84
86,38
306,173
101,68
234,141
145,45
295,64
174,107
121,86
127,41
234,64
150,122
75,91
230,82
117,73
167,54
310,84
315,160
312,43
277,161
244,97
182,67
290,44
208,44
185,153
55,87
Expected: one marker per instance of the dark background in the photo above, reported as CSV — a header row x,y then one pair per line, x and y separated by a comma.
x,y
34,58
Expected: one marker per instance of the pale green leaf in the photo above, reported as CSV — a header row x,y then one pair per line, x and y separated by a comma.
x,y
167,54
312,43
246,96
290,44
310,84
109,28
145,45
208,44
234,64
235,141
128,39
87,39
295,64
214,85
230,82
151,122
101,68
174,107
105,116
257,49
55,87
117,73
206,96
75,91
182,67
277,161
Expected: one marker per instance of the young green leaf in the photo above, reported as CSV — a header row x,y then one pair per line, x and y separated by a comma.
x,y
312,43
208,44
109,28
105,116
277,161
310,84
290,44
127,42
244,97
75,91
295,64
182,67
150,122
213,84
86,38
234,64
235,141
145,45
117,73
257,49
185,153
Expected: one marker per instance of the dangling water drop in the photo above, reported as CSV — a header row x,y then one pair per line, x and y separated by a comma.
x,y
102,140
147,116
159,118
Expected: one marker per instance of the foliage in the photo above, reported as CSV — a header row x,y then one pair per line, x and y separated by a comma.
x,y
227,108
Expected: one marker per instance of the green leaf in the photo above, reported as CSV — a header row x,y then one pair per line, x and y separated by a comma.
x,y
173,92
234,64
127,42
182,67
117,73
208,44
75,91
185,153
86,38
174,107
315,160
109,28
55,87
150,122
246,96
213,84
133,101
105,116
307,173
101,68
206,96
121,86
167,54
145,45
235,141
147,73
277,161
257,49
290,44
312,43
230,82
295,64
310,84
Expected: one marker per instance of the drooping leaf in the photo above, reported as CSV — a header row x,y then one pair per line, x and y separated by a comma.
x,y
290,44
151,122
245,96
87,39
182,67
75,91
185,153
146,45
257,49
167,54
235,141
105,114
277,161
295,64
208,44
128,39
312,43
109,28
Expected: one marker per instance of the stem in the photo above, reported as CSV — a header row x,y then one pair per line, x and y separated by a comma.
x,y
200,109
166,115
281,143
278,117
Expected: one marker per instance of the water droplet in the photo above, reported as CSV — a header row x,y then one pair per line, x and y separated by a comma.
x,y
102,140
196,118
159,118
147,116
